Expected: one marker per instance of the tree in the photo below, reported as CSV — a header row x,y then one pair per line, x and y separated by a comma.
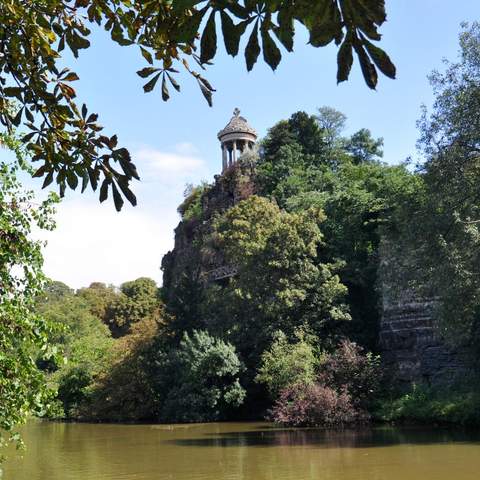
x,y
280,283
54,290
67,140
289,153
358,194
360,202
101,377
363,147
302,151
137,300
332,122
124,387
23,333
184,302
86,345
201,380
99,297
301,129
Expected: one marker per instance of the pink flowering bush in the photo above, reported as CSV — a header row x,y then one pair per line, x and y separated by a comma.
x,y
352,370
345,384
314,405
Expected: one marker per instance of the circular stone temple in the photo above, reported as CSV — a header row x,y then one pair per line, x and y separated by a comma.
x,y
237,136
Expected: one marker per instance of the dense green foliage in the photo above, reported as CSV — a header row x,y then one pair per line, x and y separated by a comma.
x,y
285,364
279,285
191,207
287,332
68,140
277,335
123,389
136,374
449,405
84,340
305,249
136,301
102,377
200,379
307,163
23,333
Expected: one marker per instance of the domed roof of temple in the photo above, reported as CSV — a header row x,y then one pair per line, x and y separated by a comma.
x,y
237,124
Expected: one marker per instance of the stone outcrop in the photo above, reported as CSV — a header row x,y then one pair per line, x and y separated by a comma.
x,y
193,256
413,350
411,345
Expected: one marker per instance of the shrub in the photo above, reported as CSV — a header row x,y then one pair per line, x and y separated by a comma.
x,y
354,371
191,207
314,405
423,404
345,384
285,363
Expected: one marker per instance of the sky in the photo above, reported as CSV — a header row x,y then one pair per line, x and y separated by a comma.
x,y
175,143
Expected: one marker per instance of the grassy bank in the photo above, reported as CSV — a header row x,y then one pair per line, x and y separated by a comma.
x,y
426,405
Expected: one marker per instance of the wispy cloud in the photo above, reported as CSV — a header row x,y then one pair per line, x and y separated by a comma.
x,y
186,148
181,161
93,242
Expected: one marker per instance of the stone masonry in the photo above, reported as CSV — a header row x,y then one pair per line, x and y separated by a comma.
x,y
411,345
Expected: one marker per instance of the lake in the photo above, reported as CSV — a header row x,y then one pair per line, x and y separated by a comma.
x,y
241,451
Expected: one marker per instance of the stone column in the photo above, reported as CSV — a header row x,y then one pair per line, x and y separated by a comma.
x,y
224,157
234,152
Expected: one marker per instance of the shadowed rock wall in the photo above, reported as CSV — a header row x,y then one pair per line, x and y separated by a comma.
x,y
411,345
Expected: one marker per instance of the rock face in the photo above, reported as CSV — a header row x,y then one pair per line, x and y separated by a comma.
x,y
413,350
411,346
193,257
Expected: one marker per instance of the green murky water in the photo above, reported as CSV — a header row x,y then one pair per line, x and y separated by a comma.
x,y
241,451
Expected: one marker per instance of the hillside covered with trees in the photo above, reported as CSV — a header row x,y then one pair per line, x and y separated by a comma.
x,y
293,333
304,241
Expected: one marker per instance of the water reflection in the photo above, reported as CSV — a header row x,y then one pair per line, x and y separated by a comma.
x,y
242,451
365,437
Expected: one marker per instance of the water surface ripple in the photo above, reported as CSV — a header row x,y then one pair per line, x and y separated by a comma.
x,y
241,451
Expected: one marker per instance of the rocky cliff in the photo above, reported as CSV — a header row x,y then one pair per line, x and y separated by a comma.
x,y
411,346
193,257
410,341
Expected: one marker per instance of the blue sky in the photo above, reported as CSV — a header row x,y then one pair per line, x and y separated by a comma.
x,y
175,142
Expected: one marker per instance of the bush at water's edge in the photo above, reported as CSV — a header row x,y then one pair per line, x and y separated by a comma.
x,y
458,405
